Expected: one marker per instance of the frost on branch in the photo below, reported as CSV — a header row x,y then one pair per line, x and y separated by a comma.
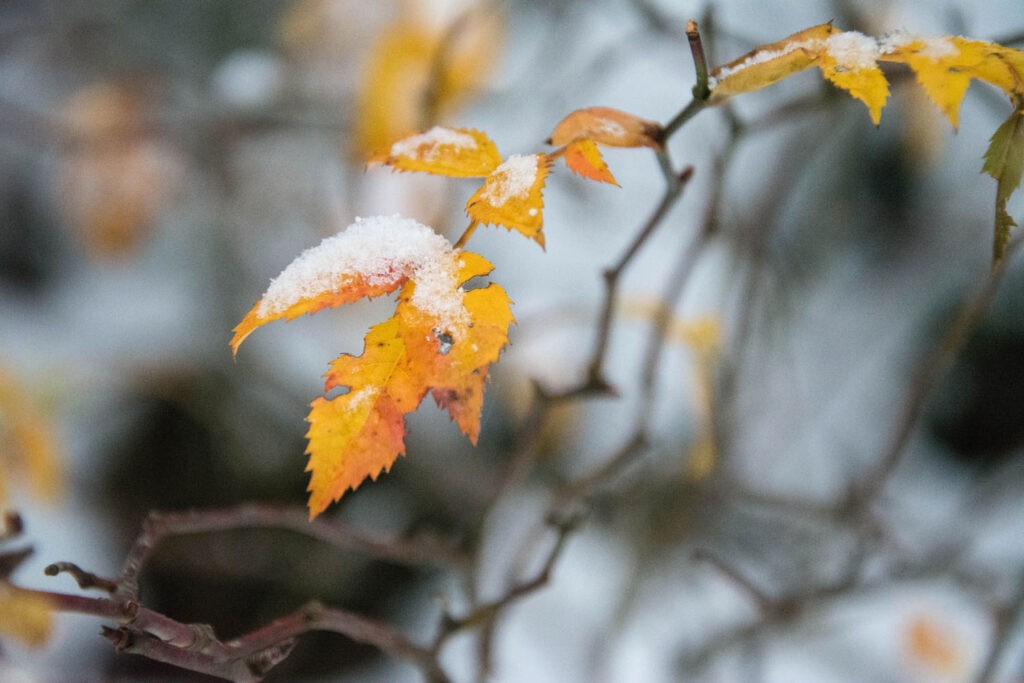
x,y
373,256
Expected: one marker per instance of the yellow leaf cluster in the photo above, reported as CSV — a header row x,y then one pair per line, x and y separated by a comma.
x,y
441,339
943,65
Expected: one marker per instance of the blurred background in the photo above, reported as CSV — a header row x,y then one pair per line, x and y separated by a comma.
x,y
160,161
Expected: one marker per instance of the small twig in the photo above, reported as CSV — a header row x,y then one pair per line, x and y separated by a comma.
x,y
765,604
595,380
83,578
700,63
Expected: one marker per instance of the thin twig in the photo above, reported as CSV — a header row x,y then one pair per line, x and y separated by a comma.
x,y
83,578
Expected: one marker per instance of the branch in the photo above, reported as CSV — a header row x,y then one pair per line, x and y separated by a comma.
x,y
422,551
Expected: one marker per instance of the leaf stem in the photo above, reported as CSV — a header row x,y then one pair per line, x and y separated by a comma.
x,y
701,91
466,234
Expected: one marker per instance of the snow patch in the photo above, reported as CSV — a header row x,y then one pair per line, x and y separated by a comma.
x,y
381,250
433,139
934,47
852,50
513,179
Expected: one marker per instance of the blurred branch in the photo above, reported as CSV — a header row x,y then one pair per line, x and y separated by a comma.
x,y
931,369
425,550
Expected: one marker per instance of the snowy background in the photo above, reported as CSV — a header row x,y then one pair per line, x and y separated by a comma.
x,y
160,162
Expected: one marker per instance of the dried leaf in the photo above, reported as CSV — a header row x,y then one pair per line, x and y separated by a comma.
x,y
457,152
512,196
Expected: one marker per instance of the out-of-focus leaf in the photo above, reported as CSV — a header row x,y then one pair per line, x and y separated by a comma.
x,y
1004,161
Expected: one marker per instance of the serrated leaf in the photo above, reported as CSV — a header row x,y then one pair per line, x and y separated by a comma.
x,y
945,66
848,61
456,152
1004,161
360,434
584,158
512,196
846,58
606,126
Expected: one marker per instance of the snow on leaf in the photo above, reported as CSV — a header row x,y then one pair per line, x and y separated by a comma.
x,y
1004,161
848,60
584,158
457,152
373,256
606,126
361,433
512,196
945,66
768,64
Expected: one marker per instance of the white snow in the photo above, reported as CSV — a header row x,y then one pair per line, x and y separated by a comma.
x,y
514,178
381,250
935,47
852,50
436,138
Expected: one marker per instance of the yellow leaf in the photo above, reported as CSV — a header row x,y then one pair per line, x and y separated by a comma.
x,y
584,158
606,126
24,616
945,66
419,72
361,433
29,445
441,339
512,196
848,60
457,152
768,64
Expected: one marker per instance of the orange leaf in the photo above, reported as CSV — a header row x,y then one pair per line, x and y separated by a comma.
x,y
584,158
25,616
607,126
512,196
457,152
361,433
932,644
28,441
373,256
